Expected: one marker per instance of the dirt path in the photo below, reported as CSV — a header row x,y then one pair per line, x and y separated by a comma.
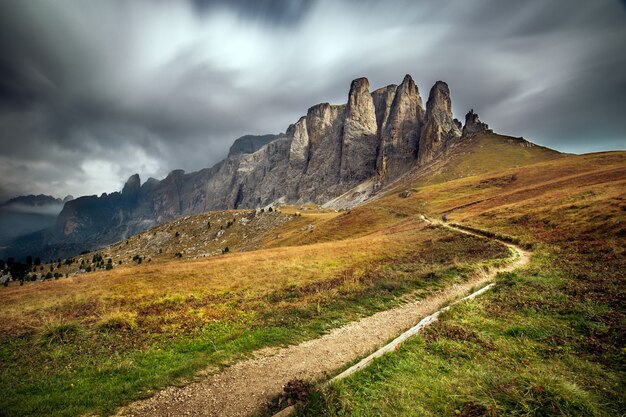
x,y
246,386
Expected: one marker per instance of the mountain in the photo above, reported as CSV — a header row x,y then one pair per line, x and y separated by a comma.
x,y
251,143
26,214
376,137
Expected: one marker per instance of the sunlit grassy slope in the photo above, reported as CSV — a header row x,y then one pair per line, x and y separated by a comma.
x,y
550,339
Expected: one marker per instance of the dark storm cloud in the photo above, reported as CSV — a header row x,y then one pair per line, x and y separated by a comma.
x,y
268,11
91,92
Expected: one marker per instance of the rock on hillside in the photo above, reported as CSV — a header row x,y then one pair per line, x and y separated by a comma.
x,y
473,125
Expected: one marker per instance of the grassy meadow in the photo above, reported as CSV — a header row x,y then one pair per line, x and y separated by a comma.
x,y
549,339
92,342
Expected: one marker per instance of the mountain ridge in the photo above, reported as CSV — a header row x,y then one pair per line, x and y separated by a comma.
x,y
376,136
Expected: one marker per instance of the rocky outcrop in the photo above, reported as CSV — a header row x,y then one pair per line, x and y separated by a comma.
x,y
401,133
250,143
473,125
383,99
332,149
359,140
131,188
439,127
321,177
298,135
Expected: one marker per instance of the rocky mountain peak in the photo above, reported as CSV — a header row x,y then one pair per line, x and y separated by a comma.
x,y
132,185
376,136
408,89
250,143
176,173
400,137
360,107
439,99
359,140
473,125
439,128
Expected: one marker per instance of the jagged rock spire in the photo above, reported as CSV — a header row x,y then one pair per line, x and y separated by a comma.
x,y
400,138
132,185
439,128
359,139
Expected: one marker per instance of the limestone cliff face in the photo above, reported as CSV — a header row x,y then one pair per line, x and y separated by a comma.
x,y
439,126
321,177
359,140
401,132
383,99
330,150
250,143
298,134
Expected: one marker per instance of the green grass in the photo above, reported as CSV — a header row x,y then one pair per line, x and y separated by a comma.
x,y
549,340
77,366
534,346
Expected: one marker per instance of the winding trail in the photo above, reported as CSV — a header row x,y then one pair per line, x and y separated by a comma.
x,y
245,387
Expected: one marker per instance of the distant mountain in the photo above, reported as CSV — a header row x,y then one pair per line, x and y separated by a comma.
x,y
26,214
375,137
251,143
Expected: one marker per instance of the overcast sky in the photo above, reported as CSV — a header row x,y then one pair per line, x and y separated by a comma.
x,y
94,91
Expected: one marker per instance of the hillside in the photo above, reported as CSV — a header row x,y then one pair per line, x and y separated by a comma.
x,y
556,325
191,237
170,317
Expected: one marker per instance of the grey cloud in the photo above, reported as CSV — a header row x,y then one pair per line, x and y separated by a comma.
x,y
49,209
271,11
93,92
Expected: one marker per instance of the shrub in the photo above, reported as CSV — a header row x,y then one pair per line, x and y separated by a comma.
x,y
117,321
59,333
